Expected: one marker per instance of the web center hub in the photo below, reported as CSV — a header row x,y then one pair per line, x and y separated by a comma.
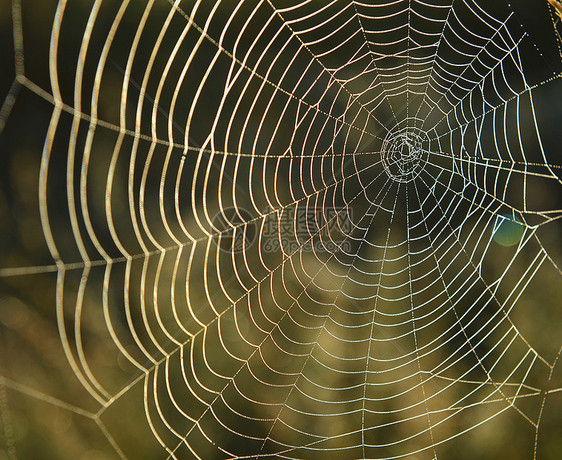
x,y
404,154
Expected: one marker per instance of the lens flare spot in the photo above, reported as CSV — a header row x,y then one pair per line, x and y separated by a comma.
x,y
508,230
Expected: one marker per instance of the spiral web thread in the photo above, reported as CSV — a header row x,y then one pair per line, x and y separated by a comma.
x,y
300,203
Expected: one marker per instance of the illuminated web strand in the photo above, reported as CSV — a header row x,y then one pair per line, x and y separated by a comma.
x,y
298,212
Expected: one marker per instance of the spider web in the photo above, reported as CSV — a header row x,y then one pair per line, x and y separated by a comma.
x,y
286,228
